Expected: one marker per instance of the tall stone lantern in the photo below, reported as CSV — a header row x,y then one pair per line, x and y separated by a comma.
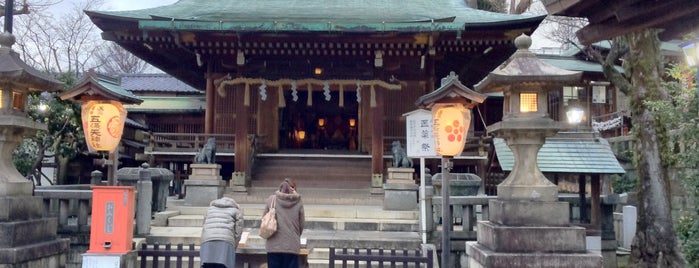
x,y
528,226
27,238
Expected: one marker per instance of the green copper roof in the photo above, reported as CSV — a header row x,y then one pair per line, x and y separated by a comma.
x,y
567,155
316,15
169,105
573,64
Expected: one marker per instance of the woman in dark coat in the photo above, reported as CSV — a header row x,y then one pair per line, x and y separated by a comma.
x,y
284,246
221,232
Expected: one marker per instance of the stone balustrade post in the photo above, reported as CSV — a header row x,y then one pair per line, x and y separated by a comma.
x,y
144,201
96,177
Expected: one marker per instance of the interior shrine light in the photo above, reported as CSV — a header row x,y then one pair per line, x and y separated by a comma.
x,y
301,135
527,102
321,122
103,124
352,122
450,126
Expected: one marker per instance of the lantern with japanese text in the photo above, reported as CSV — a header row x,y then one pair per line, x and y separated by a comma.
x,y
451,123
103,124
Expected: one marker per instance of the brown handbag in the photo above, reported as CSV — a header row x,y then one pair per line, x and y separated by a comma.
x,y
269,221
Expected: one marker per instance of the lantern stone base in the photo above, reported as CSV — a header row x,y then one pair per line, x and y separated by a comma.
x,y
204,185
27,239
523,233
400,190
201,192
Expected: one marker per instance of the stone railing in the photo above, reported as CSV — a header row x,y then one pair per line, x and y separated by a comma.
x,y
468,210
190,143
70,204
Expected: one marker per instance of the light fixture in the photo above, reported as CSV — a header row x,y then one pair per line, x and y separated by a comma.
x,y
321,122
575,115
450,126
318,71
300,135
691,52
103,124
527,102
352,122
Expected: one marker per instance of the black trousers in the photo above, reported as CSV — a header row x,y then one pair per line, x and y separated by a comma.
x,y
282,260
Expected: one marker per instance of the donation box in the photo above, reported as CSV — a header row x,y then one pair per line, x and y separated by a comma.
x,y
112,219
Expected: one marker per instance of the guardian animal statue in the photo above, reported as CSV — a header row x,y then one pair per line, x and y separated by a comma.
x,y
400,158
207,154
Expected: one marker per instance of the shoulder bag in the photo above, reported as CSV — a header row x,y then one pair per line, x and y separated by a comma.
x,y
269,221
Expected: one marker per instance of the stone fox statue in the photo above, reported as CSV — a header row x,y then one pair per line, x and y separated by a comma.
x,y
207,154
400,158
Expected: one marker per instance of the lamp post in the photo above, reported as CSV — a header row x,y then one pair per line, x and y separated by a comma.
x,y
691,54
451,106
103,115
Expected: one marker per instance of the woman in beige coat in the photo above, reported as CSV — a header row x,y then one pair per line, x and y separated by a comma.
x,y
283,247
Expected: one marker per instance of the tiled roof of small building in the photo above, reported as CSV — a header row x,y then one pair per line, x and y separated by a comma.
x,y
567,155
158,82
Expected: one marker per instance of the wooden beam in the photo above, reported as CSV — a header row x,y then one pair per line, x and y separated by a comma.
x,y
597,32
599,15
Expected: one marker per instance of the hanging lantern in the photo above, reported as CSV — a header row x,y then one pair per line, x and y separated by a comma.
x,y
103,124
451,123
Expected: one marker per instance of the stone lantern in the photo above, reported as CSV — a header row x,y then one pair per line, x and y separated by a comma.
x,y
27,238
528,226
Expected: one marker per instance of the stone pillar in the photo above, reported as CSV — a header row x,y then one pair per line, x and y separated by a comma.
x,y
376,184
144,197
238,180
204,185
400,190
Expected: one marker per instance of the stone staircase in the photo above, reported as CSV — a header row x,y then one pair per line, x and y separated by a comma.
x,y
325,171
339,218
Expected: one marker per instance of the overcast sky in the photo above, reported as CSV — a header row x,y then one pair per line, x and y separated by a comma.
x,y
135,4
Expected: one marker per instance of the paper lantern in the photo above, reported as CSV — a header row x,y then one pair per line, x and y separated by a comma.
x,y
450,126
103,124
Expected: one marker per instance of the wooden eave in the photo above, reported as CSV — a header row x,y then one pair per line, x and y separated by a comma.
x,y
608,19
91,89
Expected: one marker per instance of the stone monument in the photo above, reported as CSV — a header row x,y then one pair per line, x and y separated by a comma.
x,y
205,184
528,226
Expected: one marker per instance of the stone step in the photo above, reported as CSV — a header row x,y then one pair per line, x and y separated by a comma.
x,y
350,224
254,211
314,238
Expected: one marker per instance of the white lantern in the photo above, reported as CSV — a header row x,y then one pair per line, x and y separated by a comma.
x,y
451,123
103,124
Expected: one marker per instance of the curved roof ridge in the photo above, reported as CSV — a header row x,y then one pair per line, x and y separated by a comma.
x,y
319,11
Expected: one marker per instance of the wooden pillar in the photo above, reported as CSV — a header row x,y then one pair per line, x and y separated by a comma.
x,y
241,130
377,133
595,204
582,182
210,105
